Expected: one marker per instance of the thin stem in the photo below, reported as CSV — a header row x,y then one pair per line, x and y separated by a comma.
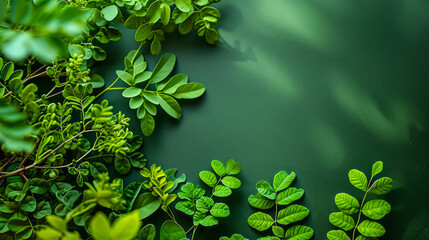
x,y
361,207
67,165
117,79
190,229
193,233
9,161
42,74
275,216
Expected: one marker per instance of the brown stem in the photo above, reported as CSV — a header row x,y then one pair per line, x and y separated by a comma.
x,y
34,76
25,168
9,161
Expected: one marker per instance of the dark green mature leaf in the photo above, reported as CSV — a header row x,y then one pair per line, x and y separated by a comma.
x,y
260,201
39,186
130,194
3,224
341,220
289,196
16,225
265,189
171,231
260,221
299,232
122,165
376,209
24,233
148,232
29,204
291,214
221,191
14,129
208,178
358,179
337,235
381,186
282,180
347,203
43,209
371,229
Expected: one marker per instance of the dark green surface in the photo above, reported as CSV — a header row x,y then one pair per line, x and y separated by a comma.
x,y
315,87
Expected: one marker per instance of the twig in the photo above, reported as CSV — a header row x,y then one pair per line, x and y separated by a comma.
x,y
42,74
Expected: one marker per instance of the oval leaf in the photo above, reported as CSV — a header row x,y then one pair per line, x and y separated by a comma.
x,y
381,186
341,220
291,214
289,196
346,203
358,179
208,178
260,221
376,209
265,189
371,229
261,202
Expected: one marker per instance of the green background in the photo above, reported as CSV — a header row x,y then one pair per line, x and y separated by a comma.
x,y
314,87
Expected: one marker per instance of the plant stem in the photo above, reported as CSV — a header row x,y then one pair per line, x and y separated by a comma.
x,y
34,76
117,79
190,229
193,233
361,207
275,216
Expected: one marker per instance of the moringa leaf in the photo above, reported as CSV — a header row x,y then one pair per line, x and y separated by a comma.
x,y
260,201
189,91
377,168
346,203
337,235
260,221
265,189
221,191
341,220
170,105
220,210
282,180
291,214
233,167
148,232
381,186
376,209
163,68
231,182
186,207
209,221
219,168
299,232
358,179
370,228
289,196
208,178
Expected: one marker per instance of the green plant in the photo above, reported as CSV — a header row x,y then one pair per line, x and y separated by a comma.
x,y
374,210
279,194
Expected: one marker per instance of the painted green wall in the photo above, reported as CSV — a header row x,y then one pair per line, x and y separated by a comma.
x,y
314,87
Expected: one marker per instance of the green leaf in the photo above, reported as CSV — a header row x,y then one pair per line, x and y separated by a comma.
x,y
197,218
219,168
291,214
234,237
341,220
163,68
183,5
3,222
186,26
122,165
358,179
282,180
209,221
299,232
143,32
171,86
126,227
150,107
189,91
186,207
278,231
110,12
28,204
148,232
377,168
43,210
208,178
131,92
265,189
142,77
231,182
100,226
204,204
136,102
381,186
24,233
155,46
126,77
370,228
165,14
170,105
75,48
152,97
346,203
147,124
221,191
39,186
289,196
57,223
376,209
147,204
137,160
220,210
171,231
337,235
261,202
232,167
260,221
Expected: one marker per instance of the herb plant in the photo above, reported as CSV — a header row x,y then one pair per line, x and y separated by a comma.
x,y
374,210
276,195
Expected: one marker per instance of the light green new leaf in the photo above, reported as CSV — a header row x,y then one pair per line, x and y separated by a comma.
x,y
110,12
261,202
171,86
171,231
220,210
75,48
100,226
163,68
291,214
289,196
381,186
170,105
337,235
219,168
147,124
143,32
189,91
183,5
234,237
376,209
151,97
299,232
346,203
278,231
358,179
126,77
208,178
222,191
131,92
377,168
136,102
260,221
209,221
370,228
165,14
360,237
265,189
148,232
341,220
126,227
233,167
204,204
231,182
142,77
282,180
